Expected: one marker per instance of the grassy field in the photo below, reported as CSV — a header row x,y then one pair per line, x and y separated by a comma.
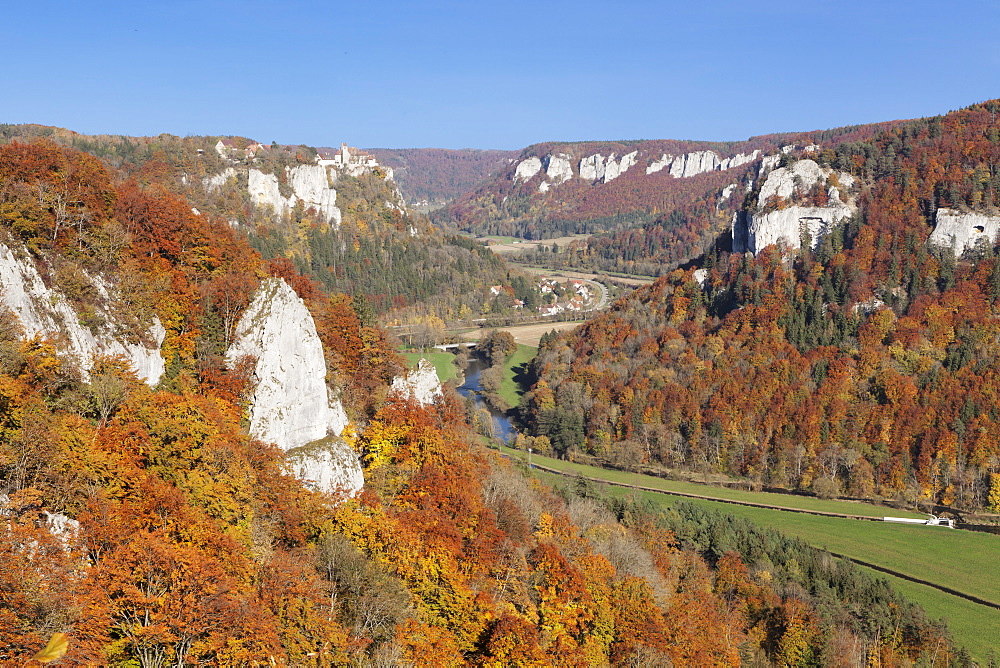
x,y
442,363
514,386
787,500
973,627
963,560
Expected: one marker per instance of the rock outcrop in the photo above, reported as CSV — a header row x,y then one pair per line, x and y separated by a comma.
x,y
526,169
291,405
46,312
592,167
559,169
421,384
310,185
755,229
598,168
963,231
698,162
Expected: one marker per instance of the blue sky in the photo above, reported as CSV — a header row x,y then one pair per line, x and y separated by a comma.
x,y
491,75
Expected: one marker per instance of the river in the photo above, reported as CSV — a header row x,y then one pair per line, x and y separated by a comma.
x,y
470,388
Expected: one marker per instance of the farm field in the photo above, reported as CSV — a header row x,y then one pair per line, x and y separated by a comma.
x,y
972,625
962,560
769,498
528,335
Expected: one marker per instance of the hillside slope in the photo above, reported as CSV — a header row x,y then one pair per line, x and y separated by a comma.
x,y
850,348
649,204
440,175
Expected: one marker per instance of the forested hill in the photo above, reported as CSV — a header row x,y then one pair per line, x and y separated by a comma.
x,y
856,355
141,524
440,175
649,204
348,228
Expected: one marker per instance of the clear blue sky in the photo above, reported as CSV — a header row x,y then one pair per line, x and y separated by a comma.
x,y
502,74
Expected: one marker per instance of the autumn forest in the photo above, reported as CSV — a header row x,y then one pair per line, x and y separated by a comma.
x,y
141,524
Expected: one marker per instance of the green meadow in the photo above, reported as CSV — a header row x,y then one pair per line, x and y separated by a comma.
x,y
961,560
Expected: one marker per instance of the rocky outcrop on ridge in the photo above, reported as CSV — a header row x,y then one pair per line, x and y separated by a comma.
x,y
963,231
291,404
44,311
773,220
310,185
557,168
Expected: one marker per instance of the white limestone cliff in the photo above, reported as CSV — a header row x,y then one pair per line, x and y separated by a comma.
x,y
789,225
612,170
690,164
592,167
558,168
46,312
659,164
421,384
310,185
291,405
756,229
785,181
526,169
963,231
698,162
213,183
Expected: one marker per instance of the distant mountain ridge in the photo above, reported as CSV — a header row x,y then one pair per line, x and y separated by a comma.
x,y
683,192
439,175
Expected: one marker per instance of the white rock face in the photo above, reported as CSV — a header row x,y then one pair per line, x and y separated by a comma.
x,y
963,231
786,181
291,405
310,185
698,162
612,170
46,312
263,189
526,169
213,183
753,231
421,384
738,159
690,164
659,164
559,169
592,167
788,225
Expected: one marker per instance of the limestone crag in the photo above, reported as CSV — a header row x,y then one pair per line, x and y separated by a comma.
x,y
213,183
558,168
291,405
598,168
698,162
761,226
421,384
612,170
963,231
46,312
310,185
526,169
789,225
592,167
